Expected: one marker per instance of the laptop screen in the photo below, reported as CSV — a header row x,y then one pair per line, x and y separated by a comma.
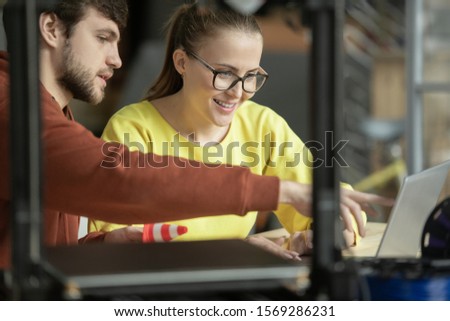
x,y
415,201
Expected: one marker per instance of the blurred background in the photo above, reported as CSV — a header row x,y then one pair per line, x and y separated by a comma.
x,y
376,70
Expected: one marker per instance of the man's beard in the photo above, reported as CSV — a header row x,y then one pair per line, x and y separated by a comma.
x,y
77,79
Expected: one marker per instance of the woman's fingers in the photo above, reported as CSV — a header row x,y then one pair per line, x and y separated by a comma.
x,y
273,247
301,242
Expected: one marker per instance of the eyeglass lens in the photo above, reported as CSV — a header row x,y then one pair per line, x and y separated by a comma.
x,y
251,83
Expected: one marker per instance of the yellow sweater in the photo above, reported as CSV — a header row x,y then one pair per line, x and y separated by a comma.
x,y
258,138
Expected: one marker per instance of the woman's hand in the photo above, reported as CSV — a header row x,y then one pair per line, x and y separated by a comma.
x,y
129,234
301,242
352,203
274,246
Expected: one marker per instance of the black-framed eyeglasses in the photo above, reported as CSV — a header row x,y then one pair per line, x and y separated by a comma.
x,y
225,80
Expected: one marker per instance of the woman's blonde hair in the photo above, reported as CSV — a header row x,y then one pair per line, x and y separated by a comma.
x,y
187,28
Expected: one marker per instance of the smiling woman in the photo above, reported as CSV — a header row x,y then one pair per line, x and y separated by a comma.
x,y
200,105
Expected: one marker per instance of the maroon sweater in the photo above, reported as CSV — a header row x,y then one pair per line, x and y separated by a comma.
x,y
83,175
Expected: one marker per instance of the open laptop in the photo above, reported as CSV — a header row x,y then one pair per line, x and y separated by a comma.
x,y
416,199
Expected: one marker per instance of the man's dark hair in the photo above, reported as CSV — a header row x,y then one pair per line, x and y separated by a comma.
x,y
72,11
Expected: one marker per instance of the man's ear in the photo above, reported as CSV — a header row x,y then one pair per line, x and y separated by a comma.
x,y
179,60
51,29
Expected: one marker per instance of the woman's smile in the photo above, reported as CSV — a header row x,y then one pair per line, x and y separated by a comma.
x,y
226,107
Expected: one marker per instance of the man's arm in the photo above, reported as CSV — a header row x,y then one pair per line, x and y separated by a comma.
x,y
86,176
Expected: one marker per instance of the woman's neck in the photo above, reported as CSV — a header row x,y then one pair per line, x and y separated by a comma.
x,y
179,115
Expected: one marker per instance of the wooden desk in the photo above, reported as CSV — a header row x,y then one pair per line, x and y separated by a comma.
x,y
367,246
